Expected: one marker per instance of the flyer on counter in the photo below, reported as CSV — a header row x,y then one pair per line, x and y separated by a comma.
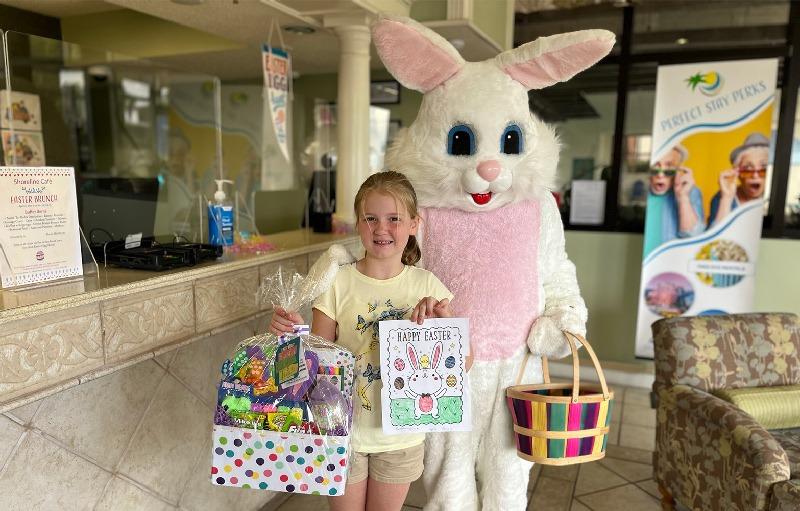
x,y
423,368
23,148
39,229
24,113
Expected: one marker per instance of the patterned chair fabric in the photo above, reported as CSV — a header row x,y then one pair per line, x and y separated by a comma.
x,y
727,352
709,453
785,496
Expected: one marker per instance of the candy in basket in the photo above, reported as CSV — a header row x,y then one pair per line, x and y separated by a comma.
x,y
284,408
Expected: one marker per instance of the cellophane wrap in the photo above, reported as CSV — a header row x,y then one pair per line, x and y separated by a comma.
x,y
284,408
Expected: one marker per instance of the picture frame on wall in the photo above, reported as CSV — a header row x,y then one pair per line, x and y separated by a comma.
x,y
384,92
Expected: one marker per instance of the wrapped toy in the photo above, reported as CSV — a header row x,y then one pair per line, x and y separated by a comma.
x,y
284,407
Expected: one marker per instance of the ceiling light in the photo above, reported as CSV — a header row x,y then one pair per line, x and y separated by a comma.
x,y
189,2
681,41
299,29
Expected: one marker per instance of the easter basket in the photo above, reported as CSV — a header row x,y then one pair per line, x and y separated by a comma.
x,y
284,406
561,423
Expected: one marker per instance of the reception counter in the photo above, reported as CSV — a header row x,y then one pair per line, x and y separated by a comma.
x,y
61,335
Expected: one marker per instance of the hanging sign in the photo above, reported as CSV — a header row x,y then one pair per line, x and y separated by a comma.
x,y
277,76
712,132
39,232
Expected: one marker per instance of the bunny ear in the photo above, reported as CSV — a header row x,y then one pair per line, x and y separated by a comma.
x,y
557,58
412,356
437,352
417,56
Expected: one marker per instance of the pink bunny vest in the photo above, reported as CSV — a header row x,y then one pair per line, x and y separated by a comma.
x,y
488,260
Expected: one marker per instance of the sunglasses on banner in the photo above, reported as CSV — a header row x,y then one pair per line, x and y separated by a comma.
x,y
749,173
654,171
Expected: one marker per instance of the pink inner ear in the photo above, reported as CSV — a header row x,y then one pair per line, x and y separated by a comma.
x,y
412,356
437,352
559,65
415,61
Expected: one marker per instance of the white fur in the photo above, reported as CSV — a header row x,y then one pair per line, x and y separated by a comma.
x,y
483,97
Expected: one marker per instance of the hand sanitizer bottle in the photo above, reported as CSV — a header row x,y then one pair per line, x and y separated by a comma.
x,y
220,217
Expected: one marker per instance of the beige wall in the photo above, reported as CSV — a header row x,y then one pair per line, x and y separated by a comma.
x,y
609,268
139,438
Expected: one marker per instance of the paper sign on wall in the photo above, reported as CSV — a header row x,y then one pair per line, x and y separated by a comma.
x,y
425,383
39,230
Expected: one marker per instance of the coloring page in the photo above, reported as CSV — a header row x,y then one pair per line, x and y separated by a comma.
x,y
423,371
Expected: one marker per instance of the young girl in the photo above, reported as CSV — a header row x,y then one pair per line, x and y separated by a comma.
x,y
382,285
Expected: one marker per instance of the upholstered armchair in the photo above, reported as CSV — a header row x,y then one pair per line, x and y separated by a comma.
x,y
711,454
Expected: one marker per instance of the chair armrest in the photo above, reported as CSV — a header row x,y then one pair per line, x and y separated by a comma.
x,y
785,496
712,455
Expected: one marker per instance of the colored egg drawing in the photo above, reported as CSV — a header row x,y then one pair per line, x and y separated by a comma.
x,y
450,362
398,383
399,364
451,380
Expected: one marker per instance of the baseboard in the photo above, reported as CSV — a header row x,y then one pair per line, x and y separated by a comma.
x,y
640,375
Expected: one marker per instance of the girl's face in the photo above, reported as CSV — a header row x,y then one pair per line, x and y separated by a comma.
x,y
384,226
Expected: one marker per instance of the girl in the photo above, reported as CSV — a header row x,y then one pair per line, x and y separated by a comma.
x,y
382,285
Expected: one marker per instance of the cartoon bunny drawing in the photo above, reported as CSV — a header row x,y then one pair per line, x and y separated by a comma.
x,y
425,384
482,166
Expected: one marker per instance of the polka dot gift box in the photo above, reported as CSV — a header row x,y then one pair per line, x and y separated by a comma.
x,y
284,404
286,462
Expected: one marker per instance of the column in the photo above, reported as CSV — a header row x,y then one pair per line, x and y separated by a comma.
x,y
352,110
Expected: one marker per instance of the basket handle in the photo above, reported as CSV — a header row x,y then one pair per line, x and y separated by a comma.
x,y
571,338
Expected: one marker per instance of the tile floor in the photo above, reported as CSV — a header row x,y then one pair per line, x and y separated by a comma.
x,y
622,480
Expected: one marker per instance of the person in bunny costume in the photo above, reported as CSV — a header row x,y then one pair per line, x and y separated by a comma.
x,y
482,165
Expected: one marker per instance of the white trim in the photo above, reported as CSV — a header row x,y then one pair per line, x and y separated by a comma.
x,y
642,380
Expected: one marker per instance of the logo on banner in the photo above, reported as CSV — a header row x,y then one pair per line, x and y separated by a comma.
x,y
709,84
276,79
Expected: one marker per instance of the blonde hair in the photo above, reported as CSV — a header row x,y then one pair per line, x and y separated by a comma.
x,y
398,186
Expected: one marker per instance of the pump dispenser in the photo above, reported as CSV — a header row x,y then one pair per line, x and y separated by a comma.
x,y
220,216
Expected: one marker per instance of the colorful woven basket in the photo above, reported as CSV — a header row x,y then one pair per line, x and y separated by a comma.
x,y
561,423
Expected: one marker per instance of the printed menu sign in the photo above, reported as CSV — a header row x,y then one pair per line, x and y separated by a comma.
x,y
39,230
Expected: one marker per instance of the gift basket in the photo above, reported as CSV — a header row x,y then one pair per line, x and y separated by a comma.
x,y
561,423
284,408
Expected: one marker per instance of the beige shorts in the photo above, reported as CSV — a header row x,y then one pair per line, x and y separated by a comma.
x,y
391,467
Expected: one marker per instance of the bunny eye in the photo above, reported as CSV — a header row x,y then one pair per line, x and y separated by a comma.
x,y
511,141
461,141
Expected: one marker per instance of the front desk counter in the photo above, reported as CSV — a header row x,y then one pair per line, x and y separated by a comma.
x,y
59,335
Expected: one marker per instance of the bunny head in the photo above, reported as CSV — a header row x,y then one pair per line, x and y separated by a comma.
x,y
424,379
475,145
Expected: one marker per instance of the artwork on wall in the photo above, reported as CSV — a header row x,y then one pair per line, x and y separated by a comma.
x,y
384,92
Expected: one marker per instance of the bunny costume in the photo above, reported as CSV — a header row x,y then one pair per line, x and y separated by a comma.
x,y
482,166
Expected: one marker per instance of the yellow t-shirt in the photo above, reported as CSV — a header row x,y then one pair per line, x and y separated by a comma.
x,y
357,303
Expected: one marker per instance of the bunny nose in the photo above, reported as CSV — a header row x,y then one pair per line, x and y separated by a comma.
x,y
489,169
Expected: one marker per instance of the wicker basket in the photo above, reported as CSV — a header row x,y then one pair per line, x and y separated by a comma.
x,y
561,423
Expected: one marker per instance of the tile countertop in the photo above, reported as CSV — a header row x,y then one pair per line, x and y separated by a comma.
x,y
61,334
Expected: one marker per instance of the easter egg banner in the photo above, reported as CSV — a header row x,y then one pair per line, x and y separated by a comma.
x,y
426,365
708,173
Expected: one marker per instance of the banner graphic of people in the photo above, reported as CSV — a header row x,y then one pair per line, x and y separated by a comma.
x,y
712,131
277,77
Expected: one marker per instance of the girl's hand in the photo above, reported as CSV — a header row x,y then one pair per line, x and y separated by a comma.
x,y
468,362
430,307
283,321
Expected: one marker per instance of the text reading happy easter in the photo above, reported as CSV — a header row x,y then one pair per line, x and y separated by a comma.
x,y
424,335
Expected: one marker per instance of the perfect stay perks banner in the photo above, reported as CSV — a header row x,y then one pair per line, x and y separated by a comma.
x,y
712,131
